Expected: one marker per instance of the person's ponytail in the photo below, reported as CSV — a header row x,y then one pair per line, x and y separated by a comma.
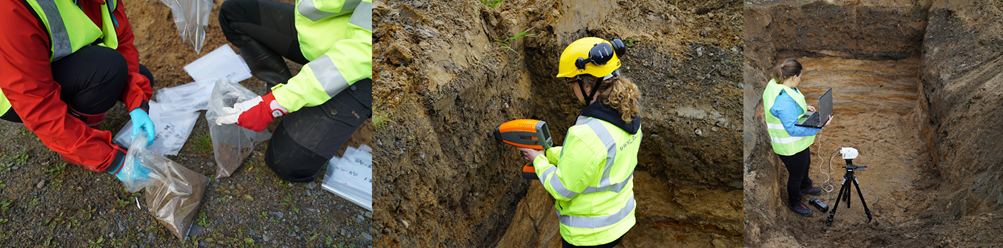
x,y
787,69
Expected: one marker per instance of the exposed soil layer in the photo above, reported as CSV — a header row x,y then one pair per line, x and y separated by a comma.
x,y
445,83
886,103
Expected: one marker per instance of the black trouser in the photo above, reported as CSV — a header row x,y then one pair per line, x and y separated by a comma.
x,y
89,87
269,22
565,244
307,139
797,166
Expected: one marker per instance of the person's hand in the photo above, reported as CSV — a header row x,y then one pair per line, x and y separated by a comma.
x,y
530,154
828,121
140,172
254,114
811,108
142,121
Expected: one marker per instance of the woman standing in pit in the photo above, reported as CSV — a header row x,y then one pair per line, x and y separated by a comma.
x,y
784,104
591,175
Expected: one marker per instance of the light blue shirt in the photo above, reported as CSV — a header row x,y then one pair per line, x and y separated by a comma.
x,y
787,110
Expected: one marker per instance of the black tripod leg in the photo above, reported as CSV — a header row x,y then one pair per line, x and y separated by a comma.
x,y
849,191
866,210
828,221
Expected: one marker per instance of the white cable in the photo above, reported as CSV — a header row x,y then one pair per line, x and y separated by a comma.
x,y
828,189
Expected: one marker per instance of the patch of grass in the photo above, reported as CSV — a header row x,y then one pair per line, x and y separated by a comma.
x,y
630,42
202,222
5,167
2,185
96,243
380,118
55,170
5,206
203,143
505,43
492,3
21,159
288,202
34,202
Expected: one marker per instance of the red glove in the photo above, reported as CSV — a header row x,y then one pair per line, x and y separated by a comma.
x,y
260,115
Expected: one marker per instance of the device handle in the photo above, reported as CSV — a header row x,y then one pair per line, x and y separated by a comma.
x,y
529,172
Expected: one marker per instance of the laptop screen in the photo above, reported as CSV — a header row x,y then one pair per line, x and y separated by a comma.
x,y
825,105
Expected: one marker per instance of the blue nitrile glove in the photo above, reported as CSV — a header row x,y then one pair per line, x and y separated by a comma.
x,y
142,120
141,172
117,170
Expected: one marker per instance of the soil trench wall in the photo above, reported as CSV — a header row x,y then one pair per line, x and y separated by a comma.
x,y
445,83
958,45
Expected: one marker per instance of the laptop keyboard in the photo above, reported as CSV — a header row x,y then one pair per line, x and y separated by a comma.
x,y
812,121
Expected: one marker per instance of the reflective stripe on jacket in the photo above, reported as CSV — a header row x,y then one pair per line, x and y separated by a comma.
x,y
783,143
69,30
31,41
337,37
592,182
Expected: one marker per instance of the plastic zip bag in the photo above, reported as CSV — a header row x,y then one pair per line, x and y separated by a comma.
x,y
351,176
173,192
231,143
191,18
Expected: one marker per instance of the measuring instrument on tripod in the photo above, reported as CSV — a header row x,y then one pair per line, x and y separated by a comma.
x,y
849,154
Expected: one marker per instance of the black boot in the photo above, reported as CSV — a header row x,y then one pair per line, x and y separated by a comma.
x,y
265,64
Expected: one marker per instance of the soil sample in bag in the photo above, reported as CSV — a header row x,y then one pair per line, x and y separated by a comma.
x,y
229,159
176,200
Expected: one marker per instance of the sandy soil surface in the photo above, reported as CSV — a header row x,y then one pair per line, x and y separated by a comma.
x,y
48,203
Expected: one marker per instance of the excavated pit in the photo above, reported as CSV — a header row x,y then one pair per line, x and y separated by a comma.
x,y
444,83
878,57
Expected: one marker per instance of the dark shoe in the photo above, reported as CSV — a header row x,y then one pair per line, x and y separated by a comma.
x,y
801,209
812,191
266,65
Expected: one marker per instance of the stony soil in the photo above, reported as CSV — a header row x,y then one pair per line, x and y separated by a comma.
x,y
899,71
445,83
48,203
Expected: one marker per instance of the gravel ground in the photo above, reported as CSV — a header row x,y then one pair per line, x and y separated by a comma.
x,y
48,202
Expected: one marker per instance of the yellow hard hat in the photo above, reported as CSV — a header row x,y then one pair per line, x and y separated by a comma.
x,y
591,55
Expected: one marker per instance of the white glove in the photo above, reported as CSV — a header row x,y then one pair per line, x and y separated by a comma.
x,y
230,115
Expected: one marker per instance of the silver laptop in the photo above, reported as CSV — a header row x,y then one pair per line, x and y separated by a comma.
x,y
818,119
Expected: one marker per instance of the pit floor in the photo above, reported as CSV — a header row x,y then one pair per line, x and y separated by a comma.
x,y
875,111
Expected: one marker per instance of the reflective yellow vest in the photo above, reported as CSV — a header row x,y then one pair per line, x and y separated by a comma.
x,y
593,182
337,37
783,143
69,30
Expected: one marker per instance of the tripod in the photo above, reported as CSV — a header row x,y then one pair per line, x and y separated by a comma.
x,y
844,191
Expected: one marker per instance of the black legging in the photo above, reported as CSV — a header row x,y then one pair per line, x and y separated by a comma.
x,y
797,166
88,87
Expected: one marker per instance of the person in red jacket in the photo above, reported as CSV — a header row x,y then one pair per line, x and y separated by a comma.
x,y
62,91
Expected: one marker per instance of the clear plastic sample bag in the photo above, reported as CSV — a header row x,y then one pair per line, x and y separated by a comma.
x,y
231,143
173,192
191,17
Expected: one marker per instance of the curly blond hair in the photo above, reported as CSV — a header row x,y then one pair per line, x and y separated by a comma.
x,y
621,94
